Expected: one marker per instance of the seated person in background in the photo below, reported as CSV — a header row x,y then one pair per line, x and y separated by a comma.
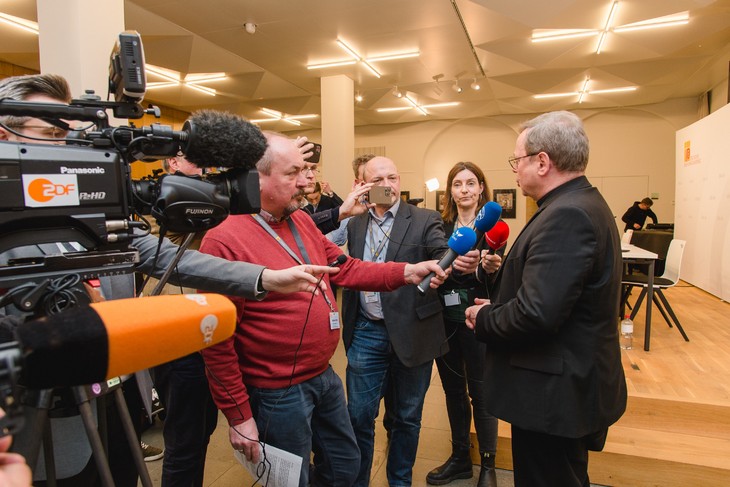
x,y
635,216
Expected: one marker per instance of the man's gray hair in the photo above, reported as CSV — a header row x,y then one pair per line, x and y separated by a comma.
x,y
561,136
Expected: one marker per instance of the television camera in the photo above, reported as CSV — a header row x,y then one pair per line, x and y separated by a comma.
x,y
83,192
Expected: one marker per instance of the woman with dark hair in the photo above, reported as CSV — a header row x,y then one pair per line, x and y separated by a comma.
x,y
462,368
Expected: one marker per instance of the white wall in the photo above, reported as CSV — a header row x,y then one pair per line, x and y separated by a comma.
x,y
703,201
634,143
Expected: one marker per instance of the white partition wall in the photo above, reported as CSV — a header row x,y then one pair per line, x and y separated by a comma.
x,y
702,207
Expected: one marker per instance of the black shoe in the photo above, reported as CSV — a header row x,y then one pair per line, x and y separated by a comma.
x,y
487,474
456,467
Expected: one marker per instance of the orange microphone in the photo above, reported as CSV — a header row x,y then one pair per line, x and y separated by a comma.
x,y
94,343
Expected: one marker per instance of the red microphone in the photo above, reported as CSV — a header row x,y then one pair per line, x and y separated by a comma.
x,y
497,236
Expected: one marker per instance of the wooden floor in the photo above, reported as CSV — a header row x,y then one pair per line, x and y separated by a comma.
x,y
698,370
676,430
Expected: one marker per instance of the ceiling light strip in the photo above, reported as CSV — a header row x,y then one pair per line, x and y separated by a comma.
x,y
611,15
162,73
542,37
657,25
555,95
613,90
604,32
371,69
415,105
331,65
349,50
162,84
392,109
202,89
405,55
18,23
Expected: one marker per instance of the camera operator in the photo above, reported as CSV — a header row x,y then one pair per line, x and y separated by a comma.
x,y
194,270
191,415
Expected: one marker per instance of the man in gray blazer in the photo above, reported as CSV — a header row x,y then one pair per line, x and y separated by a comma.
x,y
391,336
553,360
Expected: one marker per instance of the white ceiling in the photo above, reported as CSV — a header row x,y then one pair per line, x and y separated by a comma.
x,y
268,69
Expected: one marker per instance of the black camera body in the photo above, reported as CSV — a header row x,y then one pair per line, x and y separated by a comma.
x,y
82,191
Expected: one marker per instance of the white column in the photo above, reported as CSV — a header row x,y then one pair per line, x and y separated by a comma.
x,y
338,132
76,39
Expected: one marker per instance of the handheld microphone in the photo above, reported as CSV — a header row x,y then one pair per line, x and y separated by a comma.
x,y
497,237
487,217
460,242
338,261
222,139
94,343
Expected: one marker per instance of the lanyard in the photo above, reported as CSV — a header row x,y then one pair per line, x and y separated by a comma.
x,y
374,253
300,245
280,241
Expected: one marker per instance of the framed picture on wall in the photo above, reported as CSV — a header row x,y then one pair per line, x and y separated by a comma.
x,y
440,200
405,196
507,199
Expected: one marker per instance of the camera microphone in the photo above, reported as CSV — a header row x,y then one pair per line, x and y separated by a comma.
x,y
90,344
222,139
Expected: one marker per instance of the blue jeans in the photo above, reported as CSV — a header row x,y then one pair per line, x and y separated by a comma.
x,y
370,359
306,417
190,420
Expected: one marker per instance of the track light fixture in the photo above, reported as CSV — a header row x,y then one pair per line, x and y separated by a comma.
x,y
475,85
456,86
397,93
358,97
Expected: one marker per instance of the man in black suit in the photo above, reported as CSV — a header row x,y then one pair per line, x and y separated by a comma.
x,y
553,360
394,335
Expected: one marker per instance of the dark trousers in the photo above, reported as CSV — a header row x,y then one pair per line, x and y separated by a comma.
x,y
191,417
462,375
542,460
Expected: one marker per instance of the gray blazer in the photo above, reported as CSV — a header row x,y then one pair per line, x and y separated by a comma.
x,y
414,322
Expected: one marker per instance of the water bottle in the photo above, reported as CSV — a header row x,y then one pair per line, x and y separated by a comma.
x,y
627,333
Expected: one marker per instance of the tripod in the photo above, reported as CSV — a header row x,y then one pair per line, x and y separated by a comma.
x,y
39,404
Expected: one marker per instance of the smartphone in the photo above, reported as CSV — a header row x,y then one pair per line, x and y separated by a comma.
x,y
380,195
316,152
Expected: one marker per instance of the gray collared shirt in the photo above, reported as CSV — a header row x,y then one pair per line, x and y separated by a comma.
x,y
377,237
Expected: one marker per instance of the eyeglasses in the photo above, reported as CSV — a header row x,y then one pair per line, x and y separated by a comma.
x,y
514,160
313,169
47,131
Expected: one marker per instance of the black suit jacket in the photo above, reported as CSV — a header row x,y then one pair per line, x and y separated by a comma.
x,y
415,324
553,358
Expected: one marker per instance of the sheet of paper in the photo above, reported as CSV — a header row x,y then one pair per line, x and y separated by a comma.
x,y
281,468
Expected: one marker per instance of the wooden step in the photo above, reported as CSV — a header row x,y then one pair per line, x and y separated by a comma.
x,y
657,442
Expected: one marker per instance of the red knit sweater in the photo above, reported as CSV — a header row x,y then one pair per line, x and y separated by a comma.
x,y
262,351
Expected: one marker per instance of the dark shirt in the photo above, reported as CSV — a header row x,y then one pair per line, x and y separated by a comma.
x,y
637,215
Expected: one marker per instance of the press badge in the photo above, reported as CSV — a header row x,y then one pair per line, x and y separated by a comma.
x,y
371,297
452,299
334,320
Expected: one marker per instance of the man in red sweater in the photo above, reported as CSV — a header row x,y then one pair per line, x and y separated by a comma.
x,y
272,379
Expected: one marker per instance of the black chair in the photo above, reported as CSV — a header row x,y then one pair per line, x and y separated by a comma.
x,y
669,278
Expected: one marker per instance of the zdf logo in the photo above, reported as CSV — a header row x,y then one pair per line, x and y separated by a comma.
x,y
51,190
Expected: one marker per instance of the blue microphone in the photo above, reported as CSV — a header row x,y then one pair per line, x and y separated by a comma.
x,y
488,216
460,242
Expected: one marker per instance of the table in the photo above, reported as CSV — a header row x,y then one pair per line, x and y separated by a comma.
x,y
654,241
631,254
